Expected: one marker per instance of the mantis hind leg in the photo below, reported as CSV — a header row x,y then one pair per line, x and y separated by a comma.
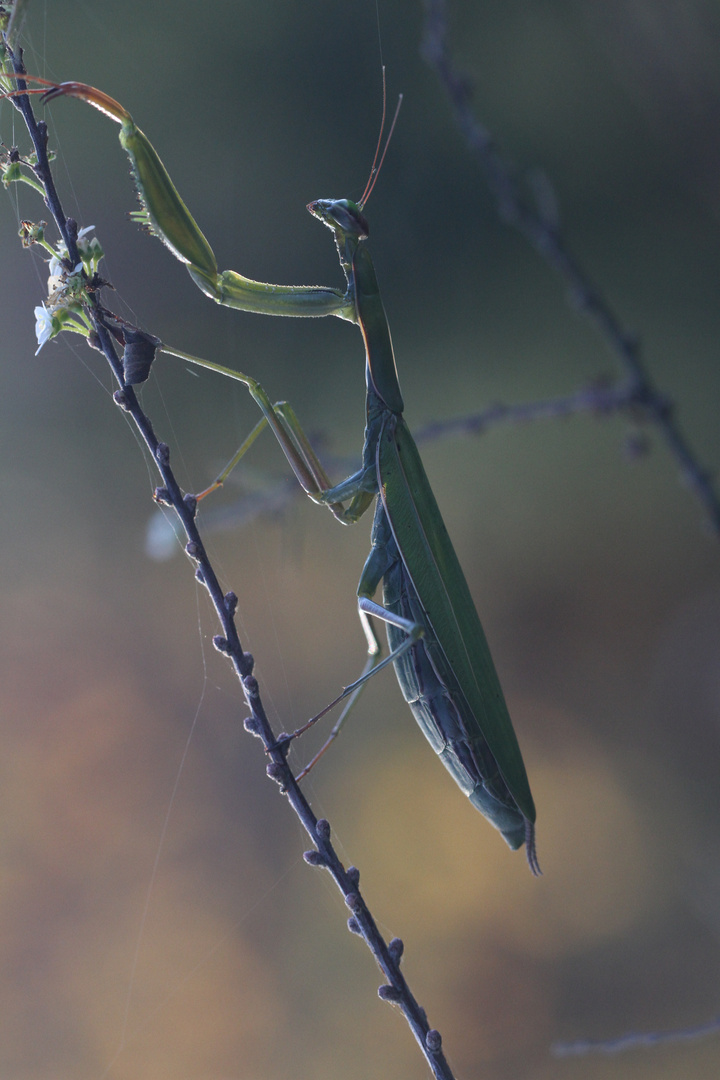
x,y
382,556
373,665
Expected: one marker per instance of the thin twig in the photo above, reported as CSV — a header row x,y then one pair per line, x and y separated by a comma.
x,y
361,921
539,226
635,1039
596,399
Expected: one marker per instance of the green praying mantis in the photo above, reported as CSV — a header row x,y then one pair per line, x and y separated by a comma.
x,y
436,641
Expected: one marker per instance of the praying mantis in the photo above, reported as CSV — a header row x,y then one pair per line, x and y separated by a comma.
x,y
436,641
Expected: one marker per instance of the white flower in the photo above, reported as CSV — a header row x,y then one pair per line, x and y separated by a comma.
x,y
55,267
86,246
43,326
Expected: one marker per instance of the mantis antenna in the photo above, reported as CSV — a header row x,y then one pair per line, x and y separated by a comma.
x,y
375,170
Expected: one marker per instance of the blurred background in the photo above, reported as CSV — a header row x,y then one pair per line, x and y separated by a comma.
x,y
157,917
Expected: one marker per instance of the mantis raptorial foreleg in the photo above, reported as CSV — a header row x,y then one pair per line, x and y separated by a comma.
x,y
166,215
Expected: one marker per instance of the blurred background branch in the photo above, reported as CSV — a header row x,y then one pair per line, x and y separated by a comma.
x,y
539,222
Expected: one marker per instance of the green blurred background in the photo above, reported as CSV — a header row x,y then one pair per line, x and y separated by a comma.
x,y
596,578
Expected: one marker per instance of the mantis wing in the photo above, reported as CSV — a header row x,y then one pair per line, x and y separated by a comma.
x,y
462,655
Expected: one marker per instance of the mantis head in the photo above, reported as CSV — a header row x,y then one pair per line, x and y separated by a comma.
x,y
344,217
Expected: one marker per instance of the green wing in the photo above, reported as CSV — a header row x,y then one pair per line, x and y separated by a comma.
x,y
434,569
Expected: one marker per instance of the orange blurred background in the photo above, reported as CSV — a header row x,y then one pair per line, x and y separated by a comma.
x,y
157,917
